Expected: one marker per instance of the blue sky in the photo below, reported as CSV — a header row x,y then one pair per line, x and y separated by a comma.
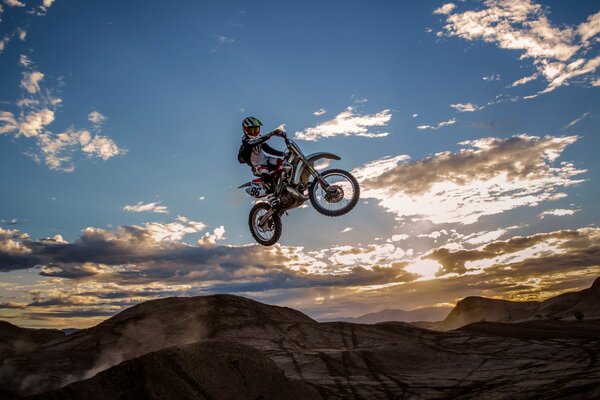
x,y
469,124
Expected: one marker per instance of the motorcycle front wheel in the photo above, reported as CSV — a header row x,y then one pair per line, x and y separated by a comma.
x,y
339,198
268,234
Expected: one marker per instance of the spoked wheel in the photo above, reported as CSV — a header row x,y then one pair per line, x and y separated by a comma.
x,y
339,198
269,233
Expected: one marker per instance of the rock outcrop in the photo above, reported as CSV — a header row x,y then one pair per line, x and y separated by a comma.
x,y
572,305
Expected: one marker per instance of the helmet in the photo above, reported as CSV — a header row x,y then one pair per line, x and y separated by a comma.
x,y
251,126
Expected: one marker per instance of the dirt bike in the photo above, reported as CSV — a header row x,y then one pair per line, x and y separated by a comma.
x,y
333,192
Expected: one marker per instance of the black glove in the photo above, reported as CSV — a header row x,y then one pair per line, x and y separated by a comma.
x,y
277,132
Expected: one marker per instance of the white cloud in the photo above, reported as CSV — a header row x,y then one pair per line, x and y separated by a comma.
x,y
47,3
488,177
210,239
596,82
348,229
492,77
31,80
102,147
96,118
468,107
523,25
347,123
225,40
22,34
445,9
415,115
38,111
34,123
14,3
3,43
576,120
557,212
319,112
8,123
173,231
590,28
154,207
24,61
398,237
451,121
524,80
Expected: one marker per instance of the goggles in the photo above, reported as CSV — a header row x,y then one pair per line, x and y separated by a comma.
x,y
253,129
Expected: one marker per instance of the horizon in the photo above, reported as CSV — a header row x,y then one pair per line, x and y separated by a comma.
x,y
471,127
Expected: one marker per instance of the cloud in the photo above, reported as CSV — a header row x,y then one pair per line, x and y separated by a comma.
x,y
30,81
348,123
225,40
105,271
523,25
468,107
22,34
445,9
576,120
492,77
524,80
3,41
347,229
541,253
47,3
489,176
96,118
210,239
319,112
154,207
589,28
451,121
14,3
415,115
557,212
38,110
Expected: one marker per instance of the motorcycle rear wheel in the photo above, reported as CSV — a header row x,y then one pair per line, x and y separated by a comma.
x,y
269,234
342,196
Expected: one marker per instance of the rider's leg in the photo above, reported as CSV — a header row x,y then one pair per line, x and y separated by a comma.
x,y
265,174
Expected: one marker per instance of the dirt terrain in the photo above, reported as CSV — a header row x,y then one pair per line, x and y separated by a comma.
x,y
166,345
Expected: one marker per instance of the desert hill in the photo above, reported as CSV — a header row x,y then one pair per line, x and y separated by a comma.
x,y
15,340
338,360
428,314
206,370
474,309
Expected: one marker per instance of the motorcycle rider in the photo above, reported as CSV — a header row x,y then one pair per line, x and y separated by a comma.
x,y
256,146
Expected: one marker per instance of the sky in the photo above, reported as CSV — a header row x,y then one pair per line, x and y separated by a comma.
x,y
472,127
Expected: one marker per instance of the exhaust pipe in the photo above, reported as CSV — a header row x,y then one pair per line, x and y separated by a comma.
x,y
296,194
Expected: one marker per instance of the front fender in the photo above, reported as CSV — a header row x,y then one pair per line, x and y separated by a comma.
x,y
302,173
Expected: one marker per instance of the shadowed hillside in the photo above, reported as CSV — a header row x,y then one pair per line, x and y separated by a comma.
x,y
15,340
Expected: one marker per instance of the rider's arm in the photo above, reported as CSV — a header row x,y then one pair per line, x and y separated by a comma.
x,y
268,149
258,140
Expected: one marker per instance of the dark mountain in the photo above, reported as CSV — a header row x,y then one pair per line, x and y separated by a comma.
x,y
15,340
585,303
428,314
176,343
